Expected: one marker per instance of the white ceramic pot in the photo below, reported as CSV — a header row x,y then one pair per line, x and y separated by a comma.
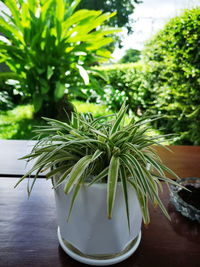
x,y
89,236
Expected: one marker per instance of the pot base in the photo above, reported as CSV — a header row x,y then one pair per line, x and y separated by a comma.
x,y
99,260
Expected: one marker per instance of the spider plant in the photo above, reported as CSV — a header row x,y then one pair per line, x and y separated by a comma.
x,y
102,150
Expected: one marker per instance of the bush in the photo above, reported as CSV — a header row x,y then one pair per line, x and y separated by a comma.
x,y
167,83
5,101
124,83
131,55
9,95
172,73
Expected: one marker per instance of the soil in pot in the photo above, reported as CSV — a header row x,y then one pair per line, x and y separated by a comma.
x,y
191,197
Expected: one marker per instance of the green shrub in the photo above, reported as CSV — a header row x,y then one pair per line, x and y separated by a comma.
x,y
173,75
49,45
9,95
124,83
131,55
5,101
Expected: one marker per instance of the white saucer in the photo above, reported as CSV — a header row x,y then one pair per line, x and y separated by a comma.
x,y
99,262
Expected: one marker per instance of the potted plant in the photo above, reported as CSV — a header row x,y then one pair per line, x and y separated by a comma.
x,y
103,176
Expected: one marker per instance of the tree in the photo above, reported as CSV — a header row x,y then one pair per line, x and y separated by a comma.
x,y
124,9
50,46
131,55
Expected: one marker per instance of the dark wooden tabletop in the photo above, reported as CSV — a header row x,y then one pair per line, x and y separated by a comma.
x,y
10,152
28,227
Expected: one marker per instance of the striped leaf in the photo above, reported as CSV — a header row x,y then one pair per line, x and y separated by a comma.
x,y
77,187
96,154
112,183
143,202
55,171
77,172
64,176
100,176
119,118
125,191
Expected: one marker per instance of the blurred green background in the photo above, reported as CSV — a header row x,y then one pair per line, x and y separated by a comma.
x,y
57,52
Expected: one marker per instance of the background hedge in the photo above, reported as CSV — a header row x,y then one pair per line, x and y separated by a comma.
x,y
172,60
166,81
124,81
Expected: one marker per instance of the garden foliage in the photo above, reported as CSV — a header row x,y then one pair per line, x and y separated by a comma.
x,y
124,9
8,91
172,59
124,83
166,82
130,56
49,45
48,56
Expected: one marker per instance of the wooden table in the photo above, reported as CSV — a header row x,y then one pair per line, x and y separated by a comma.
x,y
28,227
10,153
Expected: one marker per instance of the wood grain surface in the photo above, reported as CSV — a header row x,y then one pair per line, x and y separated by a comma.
x,y
28,233
184,160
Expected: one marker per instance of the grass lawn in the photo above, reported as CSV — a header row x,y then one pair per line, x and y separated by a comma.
x,y
18,123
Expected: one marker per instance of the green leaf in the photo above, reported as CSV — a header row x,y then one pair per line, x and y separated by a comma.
x,y
60,9
11,32
103,75
55,171
63,125
74,196
45,8
112,183
63,177
132,172
97,154
11,4
79,16
83,74
140,174
103,53
37,102
58,30
99,133
71,8
44,86
125,191
99,43
32,4
77,172
137,152
99,177
119,119
142,198
49,72
59,91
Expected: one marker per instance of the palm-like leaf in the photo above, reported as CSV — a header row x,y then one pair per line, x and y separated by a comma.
x,y
45,38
